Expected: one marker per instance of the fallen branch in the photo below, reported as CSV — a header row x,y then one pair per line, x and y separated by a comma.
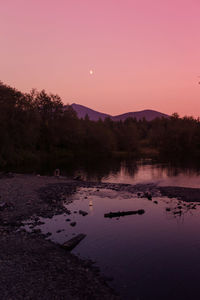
x,y
124,213
71,244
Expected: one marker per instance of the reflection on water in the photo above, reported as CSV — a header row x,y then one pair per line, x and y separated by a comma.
x,y
129,171
151,256
144,172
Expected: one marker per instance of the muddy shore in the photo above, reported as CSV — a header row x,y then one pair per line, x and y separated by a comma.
x,y
35,268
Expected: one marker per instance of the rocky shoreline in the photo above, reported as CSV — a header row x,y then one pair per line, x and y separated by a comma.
x,y
35,268
31,266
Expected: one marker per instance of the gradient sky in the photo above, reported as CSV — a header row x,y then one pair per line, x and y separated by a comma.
x,y
145,54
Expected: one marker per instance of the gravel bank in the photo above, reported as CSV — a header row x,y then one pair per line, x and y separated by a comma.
x,y
32,267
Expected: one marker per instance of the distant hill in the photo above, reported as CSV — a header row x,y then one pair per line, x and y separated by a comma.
x,y
93,115
148,114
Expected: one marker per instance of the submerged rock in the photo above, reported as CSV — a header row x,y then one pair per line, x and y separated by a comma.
x,y
48,234
83,213
59,230
73,224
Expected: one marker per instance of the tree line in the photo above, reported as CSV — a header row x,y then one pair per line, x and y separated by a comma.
x,y
37,126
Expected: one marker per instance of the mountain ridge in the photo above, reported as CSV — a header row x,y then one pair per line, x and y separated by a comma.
x,y
94,115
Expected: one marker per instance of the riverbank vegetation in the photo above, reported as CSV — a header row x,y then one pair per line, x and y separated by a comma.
x,y
37,127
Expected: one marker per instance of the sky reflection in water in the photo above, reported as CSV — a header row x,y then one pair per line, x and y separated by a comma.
x,y
150,256
163,174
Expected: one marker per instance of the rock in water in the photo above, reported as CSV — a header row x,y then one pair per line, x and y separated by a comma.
x,y
83,213
73,224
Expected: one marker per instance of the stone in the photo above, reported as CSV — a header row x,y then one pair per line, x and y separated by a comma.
x,y
73,224
83,213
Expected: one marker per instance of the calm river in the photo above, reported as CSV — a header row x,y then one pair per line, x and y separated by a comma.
x,y
151,256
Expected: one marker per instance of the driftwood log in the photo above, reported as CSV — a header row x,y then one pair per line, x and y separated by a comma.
x,y
71,244
124,213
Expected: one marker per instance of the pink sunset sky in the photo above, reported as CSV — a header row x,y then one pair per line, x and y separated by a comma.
x,y
145,54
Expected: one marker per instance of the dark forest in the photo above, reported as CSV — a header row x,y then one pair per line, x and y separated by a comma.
x,y
37,126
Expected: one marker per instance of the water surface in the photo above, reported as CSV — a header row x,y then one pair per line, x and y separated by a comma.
x,y
163,174
143,171
151,256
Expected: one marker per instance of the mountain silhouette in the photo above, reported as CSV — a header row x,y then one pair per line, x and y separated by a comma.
x,y
94,115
